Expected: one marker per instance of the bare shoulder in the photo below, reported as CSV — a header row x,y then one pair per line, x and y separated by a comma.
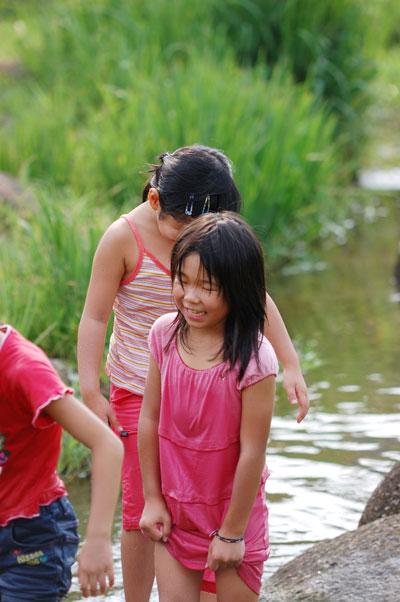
x,y
118,232
118,242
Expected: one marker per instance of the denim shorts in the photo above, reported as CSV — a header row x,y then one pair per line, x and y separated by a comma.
x,y
36,554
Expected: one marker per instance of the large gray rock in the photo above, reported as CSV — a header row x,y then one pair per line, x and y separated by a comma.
x,y
385,500
358,566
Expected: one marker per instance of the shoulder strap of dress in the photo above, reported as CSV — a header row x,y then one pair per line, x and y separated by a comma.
x,y
140,246
135,231
142,250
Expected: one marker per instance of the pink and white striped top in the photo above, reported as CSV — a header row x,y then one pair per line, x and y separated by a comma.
x,y
141,298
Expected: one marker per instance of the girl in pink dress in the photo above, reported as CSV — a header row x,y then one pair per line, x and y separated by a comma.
x,y
131,277
206,414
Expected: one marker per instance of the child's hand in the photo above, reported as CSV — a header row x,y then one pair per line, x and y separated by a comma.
x,y
100,406
296,390
223,555
95,564
156,520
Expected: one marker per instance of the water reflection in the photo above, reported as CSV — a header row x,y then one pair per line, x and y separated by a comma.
x,y
324,470
322,475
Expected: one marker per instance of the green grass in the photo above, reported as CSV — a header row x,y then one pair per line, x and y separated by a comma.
x,y
281,87
45,268
75,458
279,137
104,95
330,45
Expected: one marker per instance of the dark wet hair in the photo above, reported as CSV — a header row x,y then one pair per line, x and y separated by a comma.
x,y
230,254
193,180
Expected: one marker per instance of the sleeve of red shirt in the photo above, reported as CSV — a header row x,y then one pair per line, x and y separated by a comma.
x,y
38,384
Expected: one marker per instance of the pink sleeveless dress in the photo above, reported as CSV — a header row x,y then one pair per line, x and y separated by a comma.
x,y
199,437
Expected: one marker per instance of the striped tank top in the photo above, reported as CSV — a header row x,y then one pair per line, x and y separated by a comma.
x,y
141,298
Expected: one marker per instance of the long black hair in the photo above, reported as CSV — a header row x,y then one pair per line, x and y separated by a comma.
x,y
193,180
231,254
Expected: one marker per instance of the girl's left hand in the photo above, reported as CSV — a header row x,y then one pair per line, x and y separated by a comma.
x,y
296,390
222,555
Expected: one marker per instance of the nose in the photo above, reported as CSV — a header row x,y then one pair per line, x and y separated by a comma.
x,y
191,294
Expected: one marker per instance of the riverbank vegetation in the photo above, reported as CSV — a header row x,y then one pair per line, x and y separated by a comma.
x,y
99,89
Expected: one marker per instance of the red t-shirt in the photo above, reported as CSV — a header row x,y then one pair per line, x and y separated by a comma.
x,y
30,440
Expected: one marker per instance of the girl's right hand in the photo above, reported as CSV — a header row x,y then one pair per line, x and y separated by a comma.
x,y
95,564
100,406
155,522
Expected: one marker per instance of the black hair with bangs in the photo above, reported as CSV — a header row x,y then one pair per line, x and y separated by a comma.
x,y
231,254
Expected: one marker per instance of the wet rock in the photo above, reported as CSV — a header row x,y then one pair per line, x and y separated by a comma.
x,y
12,68
385,500
70,377
10,190
12,193
358,566
67,375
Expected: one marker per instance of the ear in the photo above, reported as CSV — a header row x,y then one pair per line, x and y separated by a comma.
x,y
153,198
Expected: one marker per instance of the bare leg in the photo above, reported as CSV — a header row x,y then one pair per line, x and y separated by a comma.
x,y
175,582
207,597
231,588
137,555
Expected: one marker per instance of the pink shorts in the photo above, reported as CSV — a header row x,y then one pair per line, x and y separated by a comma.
x,y
126,406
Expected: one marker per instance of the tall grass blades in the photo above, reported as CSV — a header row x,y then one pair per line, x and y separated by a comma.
x,y
19,295
46,266
104,87
330,44
74,459
278,135
107,93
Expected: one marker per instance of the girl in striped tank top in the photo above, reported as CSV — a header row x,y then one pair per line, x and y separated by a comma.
x,y
131,276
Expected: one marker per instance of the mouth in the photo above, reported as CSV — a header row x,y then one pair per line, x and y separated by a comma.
x,y
193,313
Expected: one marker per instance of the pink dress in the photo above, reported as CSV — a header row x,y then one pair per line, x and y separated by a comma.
x,y
199,435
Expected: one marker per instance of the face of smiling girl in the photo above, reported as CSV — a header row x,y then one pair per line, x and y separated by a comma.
x,y
199,300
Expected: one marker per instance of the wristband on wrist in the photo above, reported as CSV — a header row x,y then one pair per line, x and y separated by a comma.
x,y
226,539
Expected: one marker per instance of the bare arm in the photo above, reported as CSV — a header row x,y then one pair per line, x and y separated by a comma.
x,y
293,380
257,409
109,266
95,558
156,520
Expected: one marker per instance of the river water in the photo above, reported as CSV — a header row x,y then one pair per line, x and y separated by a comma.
x,y
342,312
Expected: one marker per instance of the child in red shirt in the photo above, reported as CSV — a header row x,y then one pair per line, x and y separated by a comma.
x,y
38,526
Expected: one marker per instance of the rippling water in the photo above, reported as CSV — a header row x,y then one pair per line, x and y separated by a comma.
x,y
341,311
